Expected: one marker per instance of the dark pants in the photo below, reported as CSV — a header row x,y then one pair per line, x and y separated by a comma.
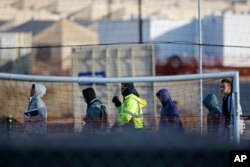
x,y
213,124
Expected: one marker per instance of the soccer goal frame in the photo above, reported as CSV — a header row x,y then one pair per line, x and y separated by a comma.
x,y
81,80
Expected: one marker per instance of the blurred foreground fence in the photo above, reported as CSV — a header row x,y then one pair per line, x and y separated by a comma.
x,y
63,146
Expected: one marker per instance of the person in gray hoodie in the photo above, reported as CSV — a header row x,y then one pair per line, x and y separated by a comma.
x,y
36,116
214,114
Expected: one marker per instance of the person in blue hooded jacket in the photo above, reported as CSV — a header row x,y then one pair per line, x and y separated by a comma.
x,y
170,119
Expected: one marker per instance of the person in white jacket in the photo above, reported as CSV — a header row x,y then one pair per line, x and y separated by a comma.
x,y
36,116
227,121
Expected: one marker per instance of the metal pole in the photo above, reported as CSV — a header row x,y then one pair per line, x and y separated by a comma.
x,y
65,79
236,100
139,22
200,65
109,2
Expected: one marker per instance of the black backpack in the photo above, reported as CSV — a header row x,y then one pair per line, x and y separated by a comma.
x,y
103,116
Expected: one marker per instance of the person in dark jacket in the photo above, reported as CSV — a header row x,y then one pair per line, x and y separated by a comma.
x,y
170,119
228,107
214,114
96,114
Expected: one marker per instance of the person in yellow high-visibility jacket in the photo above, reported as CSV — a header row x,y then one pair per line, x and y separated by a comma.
x,y
130,110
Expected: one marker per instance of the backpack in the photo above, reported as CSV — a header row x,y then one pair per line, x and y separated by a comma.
x,y
103,116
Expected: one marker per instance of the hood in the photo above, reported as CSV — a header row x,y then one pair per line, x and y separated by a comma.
x,y
169,108
40,90
130,90
134,91
141,101
210,102
89,94
165,94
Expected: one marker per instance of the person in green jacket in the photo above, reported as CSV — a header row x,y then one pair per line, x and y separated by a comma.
x,y
214,114
130,110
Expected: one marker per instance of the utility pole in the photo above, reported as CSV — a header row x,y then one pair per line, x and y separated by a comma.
x,y
200,64
140,22
109,2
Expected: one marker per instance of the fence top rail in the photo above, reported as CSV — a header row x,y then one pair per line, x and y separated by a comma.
x,y
69,79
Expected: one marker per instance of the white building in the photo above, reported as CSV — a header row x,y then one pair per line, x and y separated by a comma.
x,y
227,36
15,52
159,31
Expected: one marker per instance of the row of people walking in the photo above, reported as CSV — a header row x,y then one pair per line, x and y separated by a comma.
x,y
130,110
220,122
